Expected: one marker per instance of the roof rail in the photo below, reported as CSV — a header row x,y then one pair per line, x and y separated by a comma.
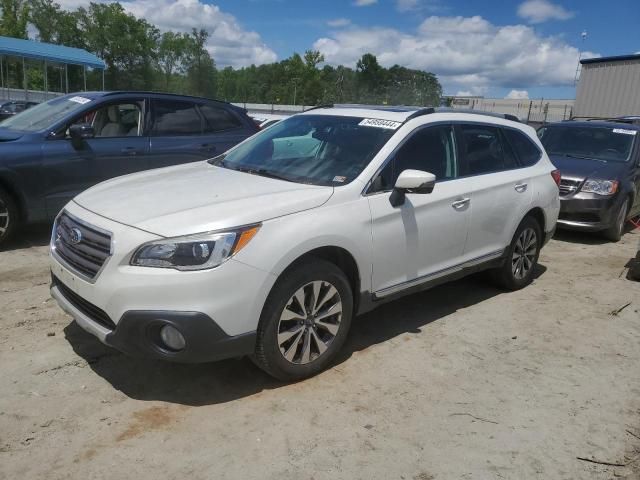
x,y
169,94
328,105
506,116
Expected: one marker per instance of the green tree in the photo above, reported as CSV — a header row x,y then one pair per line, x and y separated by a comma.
x,y
200,67
125,43
14,18
172,54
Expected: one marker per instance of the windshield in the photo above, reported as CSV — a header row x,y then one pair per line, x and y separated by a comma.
x,y
600,143
316,149
46,114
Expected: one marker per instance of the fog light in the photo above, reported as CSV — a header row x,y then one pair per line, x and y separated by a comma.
x,y
172,338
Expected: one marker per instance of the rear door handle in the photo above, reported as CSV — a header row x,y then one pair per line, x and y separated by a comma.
x,y
458,204
130,151
521,187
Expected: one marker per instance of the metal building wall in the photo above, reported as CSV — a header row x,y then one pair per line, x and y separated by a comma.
x,y
609,89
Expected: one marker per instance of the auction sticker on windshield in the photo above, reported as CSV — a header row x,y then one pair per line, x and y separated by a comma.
x,y
624,131
379,123
80,100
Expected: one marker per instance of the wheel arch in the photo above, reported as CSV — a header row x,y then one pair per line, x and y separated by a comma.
x,y
538,214
341,258
10,187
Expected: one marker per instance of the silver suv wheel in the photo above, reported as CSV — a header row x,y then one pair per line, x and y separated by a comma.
x,y
309,322
524,253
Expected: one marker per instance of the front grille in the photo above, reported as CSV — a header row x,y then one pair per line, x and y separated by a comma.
x,y
82,247
568,186
89,309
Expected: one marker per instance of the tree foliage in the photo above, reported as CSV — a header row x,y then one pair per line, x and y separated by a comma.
x,y
139,56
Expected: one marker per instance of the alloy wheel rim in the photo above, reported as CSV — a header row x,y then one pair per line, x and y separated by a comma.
x,y
309,322
621,218
4,218
524,253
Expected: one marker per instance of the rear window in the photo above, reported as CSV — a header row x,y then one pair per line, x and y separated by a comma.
x,y
218,119
600,143
175,118
527,151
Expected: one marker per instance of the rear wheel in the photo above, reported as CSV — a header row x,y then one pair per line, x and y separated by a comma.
x,y
522,256
8,216
305,321
615,232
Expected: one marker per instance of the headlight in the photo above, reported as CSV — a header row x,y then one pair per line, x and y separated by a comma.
x,y
601,187
194,252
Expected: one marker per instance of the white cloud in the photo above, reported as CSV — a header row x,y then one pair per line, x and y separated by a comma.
x,y
406,5
228,44
467,53
339,22
364,3
538,11
518,95
424,5
464,93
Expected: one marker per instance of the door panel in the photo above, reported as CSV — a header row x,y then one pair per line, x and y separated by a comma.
x,y
69,170
500,201
502,191
425,235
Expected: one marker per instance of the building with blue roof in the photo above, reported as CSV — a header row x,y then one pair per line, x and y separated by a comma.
x,y
27,52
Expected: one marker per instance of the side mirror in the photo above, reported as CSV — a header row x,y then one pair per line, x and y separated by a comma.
x,y
411,181
81,131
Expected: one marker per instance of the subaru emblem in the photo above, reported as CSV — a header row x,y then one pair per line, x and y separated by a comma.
x,y
76,236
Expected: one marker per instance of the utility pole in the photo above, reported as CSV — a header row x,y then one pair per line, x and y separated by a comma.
x,y
295,88
584,37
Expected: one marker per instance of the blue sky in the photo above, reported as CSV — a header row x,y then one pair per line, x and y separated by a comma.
x,y
487,47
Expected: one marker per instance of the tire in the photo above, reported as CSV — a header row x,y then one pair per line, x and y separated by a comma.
x,y
309,341
519,266
8,216
615,232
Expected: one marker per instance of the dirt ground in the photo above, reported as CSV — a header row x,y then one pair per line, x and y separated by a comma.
x,y
463,381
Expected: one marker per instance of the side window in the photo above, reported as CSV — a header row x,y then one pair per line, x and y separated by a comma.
x,y
114,120
484,150
430,149
173,118
218,119
528,152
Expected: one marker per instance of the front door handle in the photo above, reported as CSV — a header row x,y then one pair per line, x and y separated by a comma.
x,y
209,147
458,204
521,187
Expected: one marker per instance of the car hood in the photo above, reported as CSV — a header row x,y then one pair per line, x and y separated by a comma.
x,y
7,135
198,197
581,169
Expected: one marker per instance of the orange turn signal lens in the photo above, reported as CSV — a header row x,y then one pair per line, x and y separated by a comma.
x,y
245,237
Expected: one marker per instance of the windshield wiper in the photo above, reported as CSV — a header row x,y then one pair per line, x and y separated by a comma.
x,y
580,157
262,172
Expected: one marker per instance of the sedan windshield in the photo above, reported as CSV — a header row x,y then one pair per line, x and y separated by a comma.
x,y
599,143
315,149
46,114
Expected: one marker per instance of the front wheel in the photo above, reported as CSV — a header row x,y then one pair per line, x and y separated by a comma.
x,y
615,232
522,256
305,321
8,216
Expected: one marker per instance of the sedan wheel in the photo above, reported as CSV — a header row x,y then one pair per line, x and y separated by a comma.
x,y
309,322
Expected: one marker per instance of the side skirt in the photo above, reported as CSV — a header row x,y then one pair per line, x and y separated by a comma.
x,y
369,301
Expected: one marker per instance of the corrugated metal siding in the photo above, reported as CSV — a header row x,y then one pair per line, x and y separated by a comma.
x,y
609,89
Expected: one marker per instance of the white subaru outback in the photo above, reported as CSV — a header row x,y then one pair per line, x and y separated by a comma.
x,y
270,249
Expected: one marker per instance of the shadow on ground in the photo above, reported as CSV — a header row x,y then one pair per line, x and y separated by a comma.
x,y
220,382
27,237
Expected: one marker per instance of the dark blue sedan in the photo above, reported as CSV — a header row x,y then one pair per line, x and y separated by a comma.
x,y
55,150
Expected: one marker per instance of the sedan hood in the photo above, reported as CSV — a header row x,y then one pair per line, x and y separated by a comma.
x,y
581,169
7,135
198,197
